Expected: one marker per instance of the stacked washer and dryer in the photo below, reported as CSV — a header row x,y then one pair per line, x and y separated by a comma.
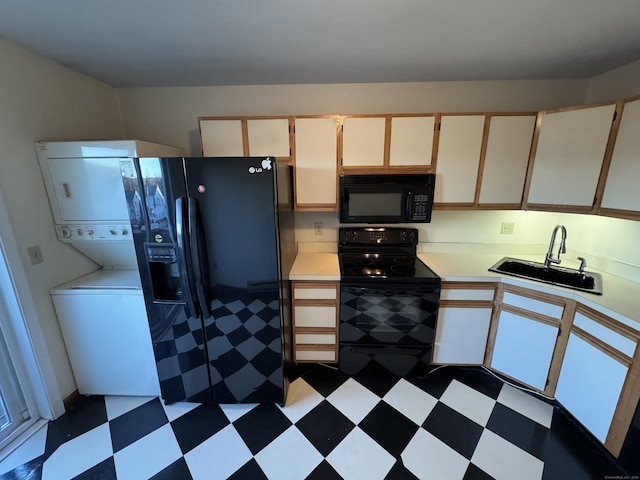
x,y
102,315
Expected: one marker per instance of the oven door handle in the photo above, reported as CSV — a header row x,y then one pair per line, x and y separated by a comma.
x,y
386,351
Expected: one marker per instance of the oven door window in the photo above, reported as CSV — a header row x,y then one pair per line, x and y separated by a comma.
x,y
396,315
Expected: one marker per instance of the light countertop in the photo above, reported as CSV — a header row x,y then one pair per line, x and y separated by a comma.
x,y
620,299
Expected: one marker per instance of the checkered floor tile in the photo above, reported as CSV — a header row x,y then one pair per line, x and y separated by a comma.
x,y
455,424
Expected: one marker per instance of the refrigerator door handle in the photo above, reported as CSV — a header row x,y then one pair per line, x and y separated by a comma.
x,y
183,257
199,258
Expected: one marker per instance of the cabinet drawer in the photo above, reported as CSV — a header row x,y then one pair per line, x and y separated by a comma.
x,y
467,294
533,305
315,338
323,316
315,293
315,355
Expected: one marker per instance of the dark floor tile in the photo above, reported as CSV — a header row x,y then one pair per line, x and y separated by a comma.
x,y
378,384
29,471
434,384
479,379
249,471
400,472
178,470
260,426
137,423
325,427
572,453
86,414
389,428
523,432
325,380
324,471
454,429
103,471
475,473
197,425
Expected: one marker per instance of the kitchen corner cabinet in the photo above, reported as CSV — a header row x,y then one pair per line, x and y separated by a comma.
x,y
463,323
599,381
524,333
243,136
621,196
505,160
315,321
458,159
568,158
316,147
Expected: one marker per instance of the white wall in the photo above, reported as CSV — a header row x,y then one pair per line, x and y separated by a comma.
x,y
619,83
43,101
170,115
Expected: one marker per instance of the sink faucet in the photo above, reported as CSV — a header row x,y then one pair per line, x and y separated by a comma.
x,y
549,258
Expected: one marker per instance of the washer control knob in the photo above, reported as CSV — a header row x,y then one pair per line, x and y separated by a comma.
x,y
125,232
113,231
65,232
79,232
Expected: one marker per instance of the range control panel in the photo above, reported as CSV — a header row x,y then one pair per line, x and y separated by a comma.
x,y
378,236
74,232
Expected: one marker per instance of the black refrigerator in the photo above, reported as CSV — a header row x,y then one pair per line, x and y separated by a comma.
x,y
214,239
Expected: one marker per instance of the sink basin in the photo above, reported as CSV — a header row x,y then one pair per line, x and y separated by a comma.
x,y
564,277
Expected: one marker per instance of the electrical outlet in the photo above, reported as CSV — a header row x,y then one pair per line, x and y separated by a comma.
x,y
318,228
506,228
35,254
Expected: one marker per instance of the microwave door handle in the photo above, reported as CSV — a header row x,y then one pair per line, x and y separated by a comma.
x,y
182,250
199,258
407,206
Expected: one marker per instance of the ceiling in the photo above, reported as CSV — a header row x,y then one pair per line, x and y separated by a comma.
x,y
144,43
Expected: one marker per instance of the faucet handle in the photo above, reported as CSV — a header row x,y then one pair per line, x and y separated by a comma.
x,y
583,264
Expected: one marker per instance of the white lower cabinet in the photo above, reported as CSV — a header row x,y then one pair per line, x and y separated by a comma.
x,y
525,332
463,323
315,321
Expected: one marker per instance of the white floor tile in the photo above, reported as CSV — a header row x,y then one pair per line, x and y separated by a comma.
x,y
526,404
353,400
358,457
176,410
469,402
504,461
32,448
278,462
409,400
119,405
68,462
428,458
148,456
235,411
219,456
301,399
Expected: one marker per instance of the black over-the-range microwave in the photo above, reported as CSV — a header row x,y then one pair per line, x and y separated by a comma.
x,y
386,198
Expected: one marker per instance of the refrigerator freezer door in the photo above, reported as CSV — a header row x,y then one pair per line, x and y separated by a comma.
x,y
237,204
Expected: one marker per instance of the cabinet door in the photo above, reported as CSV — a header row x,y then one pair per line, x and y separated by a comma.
x,y
411,141
569,155
506,160
621,190
458,158
269,137
363,140
590,384
316,163
461,335
221,138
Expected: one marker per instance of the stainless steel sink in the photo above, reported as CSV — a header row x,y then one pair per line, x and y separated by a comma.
x,y
590,282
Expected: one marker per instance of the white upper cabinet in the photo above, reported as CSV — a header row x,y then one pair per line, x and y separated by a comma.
x,y
269,137
569,155
459,151
237,137
316,162
411,141
621,190
363,140
221,138
506,159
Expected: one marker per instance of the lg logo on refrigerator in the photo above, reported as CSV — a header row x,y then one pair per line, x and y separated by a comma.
x,y
266,165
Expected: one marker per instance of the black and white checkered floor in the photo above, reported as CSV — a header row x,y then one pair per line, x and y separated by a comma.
x,y
453,424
